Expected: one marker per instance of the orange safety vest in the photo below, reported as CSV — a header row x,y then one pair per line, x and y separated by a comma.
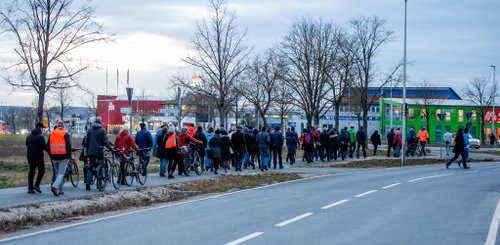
x,y
423,136
171,142
57,142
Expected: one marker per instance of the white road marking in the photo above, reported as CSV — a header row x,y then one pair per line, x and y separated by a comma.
x,y
293,219
389,186
152,209
492,234
472,172
429,177
334,204
245,238
366,193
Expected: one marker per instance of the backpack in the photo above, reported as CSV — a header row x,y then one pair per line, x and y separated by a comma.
x,y
308,139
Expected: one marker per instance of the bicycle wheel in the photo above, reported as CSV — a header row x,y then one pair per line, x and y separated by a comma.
x,y
187,166
198,169
115,175
74,174
141,172
129,173
101,178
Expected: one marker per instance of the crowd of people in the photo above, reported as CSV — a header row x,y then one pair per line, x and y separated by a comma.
x,y
219,150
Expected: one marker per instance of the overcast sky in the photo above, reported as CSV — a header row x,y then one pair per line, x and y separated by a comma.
x,y
449,42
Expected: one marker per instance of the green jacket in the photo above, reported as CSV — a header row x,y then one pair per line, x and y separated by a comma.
x,y
352,135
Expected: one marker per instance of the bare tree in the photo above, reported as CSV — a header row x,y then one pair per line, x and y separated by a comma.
x,y
480,93
62,98
370,34
11,119
305,51
90,101
283,101
26,117
427,102
47,32
260,82
220,54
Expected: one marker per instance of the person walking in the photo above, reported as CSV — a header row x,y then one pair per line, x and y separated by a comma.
x,y
254,150
264,141
458,149
215,149
94,141
184,139
448,137
344,142
35,145
144,140
308,146
277,146
124,142
376,141
352,143
247,134
160,149
171,149
199,135
423,137
239,149
291,144
324,138
59,145
390,141
361,140
493,140
334,144
208,153
398,142
466,146
225,150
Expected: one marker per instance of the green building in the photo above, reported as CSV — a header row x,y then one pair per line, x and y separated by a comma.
x,y
442,115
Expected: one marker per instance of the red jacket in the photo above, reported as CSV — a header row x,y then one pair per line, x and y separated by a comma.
x,y
397,140
191,130
185,138
124,141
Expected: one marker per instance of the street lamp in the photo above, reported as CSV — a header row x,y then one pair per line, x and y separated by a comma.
x,y
493,117
403,129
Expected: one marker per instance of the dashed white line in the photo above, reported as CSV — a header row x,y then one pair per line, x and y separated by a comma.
x,y
492,234
389,186
245,238
430,177
334,204
366,193
293,219
472,172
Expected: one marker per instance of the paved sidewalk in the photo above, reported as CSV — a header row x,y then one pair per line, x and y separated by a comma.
x,y
11,197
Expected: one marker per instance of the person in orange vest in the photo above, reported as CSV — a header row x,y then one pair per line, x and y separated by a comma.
x,y
423,136
171,148
59,145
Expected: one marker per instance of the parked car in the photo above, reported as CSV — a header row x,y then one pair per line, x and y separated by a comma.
x,y
474,143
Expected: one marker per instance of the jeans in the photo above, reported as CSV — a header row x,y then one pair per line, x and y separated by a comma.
x,y
277,156
60,168
163,166
265,156
422,144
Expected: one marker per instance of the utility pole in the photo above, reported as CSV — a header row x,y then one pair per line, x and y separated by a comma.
x,y
403,129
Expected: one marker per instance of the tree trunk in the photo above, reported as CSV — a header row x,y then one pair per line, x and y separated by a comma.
x,y
316,119
337,118
39,110
309,118
483,137
365,119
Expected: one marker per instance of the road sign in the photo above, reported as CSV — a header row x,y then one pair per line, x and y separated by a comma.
x,y
45,122
125,110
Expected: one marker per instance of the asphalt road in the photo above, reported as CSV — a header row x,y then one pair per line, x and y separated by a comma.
x,y
413,205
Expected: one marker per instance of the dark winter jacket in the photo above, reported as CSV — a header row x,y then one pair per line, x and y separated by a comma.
x,y
238,142
334,139
255,144
199,135
35,145
225,146
361,137
390,138
291,142
215,146
160,147
96,137
325,139
263,140
459,143
249,141
276,139
143,139
344,137
375,139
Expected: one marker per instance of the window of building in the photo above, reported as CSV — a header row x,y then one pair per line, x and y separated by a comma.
x,y
423,114
474,115
448,116
438,115
411,114
460,115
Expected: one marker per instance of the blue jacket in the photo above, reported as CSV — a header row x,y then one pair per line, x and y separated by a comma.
x,y
158,134
143,139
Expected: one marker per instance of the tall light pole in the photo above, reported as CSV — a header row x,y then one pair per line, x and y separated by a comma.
x,y
493,117
403,129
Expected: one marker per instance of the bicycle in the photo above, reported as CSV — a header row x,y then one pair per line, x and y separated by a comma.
x,y
191,160
136,171
103,173
115,170
72,173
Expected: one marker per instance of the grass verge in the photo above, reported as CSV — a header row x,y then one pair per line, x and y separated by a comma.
x,y
17,218
387,163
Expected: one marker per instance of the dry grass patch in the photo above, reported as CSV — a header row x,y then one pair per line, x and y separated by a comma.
x,y
12,219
